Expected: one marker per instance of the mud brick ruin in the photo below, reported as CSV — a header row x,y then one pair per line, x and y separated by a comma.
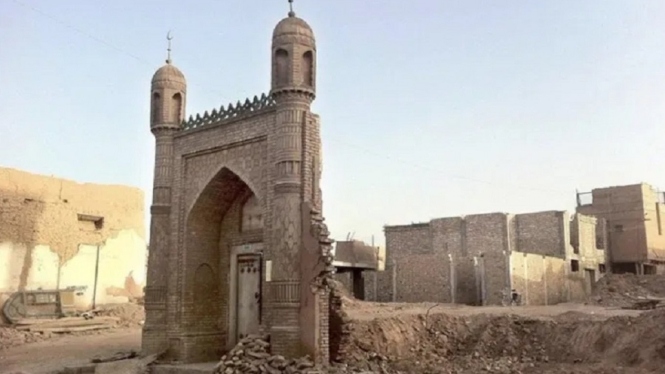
x,y
238,245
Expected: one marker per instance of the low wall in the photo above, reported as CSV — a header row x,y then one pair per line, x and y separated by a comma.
x,y
120,272
541,280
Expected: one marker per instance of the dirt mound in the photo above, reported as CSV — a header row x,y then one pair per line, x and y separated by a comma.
x,y
619,290
130,314
506,344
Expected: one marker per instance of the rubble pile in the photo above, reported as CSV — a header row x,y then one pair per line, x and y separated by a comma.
x,y
10,337
251,355
506,344
129,314
622,290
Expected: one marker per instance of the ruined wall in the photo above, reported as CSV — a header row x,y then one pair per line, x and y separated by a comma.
x,y
50,232
345,279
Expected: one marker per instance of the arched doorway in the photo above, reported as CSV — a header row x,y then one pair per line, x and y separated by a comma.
x,y
222,270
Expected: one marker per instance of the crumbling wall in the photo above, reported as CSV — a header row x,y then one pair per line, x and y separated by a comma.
x,y
49,227
345,279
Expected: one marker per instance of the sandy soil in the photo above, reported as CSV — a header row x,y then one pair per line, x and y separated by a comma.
x,y
428,337
441,338
54,354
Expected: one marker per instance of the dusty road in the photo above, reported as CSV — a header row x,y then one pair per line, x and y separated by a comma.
x,y
54,354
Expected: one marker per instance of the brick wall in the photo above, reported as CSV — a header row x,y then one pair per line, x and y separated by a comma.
x,y
541,233
345,279
476,258
624,209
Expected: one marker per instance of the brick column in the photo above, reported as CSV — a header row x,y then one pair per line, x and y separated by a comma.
x,y
284,289
155,337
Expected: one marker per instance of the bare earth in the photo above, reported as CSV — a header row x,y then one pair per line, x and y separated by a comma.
x,y
428,337
54,354
363,311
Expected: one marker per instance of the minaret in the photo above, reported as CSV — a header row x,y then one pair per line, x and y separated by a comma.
x,y
293,88
167,111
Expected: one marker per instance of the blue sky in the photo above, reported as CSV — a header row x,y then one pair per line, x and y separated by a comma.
x,y
429,108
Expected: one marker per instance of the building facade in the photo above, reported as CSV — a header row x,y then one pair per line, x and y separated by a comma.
x,y
547,257
236,232
56,234
635,225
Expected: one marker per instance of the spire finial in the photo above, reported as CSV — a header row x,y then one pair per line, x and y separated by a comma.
x,y
291,12
169,37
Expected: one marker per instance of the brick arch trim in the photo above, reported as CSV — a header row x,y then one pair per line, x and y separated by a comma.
x,y
242,176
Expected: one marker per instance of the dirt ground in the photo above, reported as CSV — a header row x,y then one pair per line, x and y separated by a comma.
x,y
596,337
388,338
363,311
58,352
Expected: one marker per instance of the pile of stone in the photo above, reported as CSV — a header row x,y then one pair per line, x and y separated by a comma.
x,y
11,337
252,356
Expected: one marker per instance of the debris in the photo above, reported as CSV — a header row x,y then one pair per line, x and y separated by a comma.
x,y
69,324
644,304
129,314
251,355
622,290
116,357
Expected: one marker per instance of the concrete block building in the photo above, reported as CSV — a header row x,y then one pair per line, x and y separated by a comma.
x,y
355,261
548,257
635,216
57,233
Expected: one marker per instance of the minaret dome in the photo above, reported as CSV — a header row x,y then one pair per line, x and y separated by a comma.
x,y
168,95
293,57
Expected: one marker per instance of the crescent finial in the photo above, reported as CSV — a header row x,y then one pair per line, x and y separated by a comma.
x,y
169,37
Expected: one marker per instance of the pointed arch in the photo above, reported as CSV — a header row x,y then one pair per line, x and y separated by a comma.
x,y
156,110
282,67
224,169
176,108
212,228
308,68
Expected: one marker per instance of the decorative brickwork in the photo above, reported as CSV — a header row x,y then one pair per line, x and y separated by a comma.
x,y
267,151
231,112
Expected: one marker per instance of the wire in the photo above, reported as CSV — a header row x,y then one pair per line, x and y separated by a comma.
x,y
114,47
365,150
438,171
